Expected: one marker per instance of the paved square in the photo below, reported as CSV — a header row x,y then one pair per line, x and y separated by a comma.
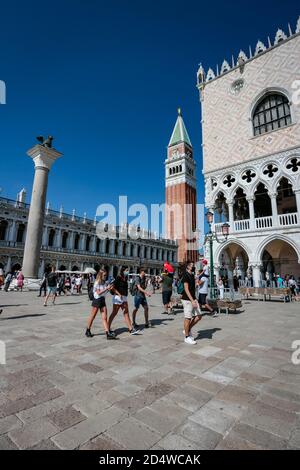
x,y
236,389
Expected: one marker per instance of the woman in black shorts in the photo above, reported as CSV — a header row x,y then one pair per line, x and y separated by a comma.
x,y
100,289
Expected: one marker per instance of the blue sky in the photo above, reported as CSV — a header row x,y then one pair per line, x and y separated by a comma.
x,y
106,78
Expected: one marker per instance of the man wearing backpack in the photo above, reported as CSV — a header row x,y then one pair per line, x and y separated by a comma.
x,y
139,291
192,312
52,286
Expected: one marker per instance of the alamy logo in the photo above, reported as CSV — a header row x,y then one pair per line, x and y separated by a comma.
x,y
2,353
2,92
296,354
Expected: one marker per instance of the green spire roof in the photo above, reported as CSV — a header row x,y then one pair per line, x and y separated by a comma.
x,y
179,133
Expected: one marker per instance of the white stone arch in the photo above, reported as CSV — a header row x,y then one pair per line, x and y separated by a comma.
x,y
214,194
236,187
276,180
256,183
230,241
262,245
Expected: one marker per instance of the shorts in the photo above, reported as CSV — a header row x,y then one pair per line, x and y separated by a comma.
x,y
99,303
166,297
52,290
202,299
190,311
119,300
138,301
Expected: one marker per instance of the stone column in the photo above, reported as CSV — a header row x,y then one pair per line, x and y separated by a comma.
x,y
58,238
273,197
45,236
93,243
231,217
112,247
71,239
42,268
12,232
8,265
120,248
256,274
297,194
43,158
251,212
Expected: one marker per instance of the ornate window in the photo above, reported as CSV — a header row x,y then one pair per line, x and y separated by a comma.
x,y
272,112
293,165
229,180
248,176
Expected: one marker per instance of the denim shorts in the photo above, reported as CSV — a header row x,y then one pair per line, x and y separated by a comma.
x,y
138,301
52,290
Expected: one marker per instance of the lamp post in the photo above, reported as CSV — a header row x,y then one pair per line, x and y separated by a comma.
x,y
210,237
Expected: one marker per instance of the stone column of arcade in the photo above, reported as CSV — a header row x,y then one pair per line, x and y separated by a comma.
x,y
43,157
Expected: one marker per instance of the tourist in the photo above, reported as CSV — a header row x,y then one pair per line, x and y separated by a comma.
x,y
202,283
61,285
7,281
68,283
298,285
280,282
221,288
120,299
1,278
73,284
153,283
90,282
192,312
292,284
100,289
167,287
139,289
43,285
20,281
78,284
52,286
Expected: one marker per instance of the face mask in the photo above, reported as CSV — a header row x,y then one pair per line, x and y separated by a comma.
x,y
126,273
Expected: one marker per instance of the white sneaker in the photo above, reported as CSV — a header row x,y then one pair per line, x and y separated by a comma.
x,y
189,340
190,334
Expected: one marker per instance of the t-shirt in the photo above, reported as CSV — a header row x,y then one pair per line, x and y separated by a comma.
x,y
203,287
121,285
142,282
52,279
167,283
190,279
98,286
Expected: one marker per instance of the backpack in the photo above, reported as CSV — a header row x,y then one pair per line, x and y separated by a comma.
x,y
180,287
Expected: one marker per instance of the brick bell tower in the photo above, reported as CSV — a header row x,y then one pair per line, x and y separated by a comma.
x,y
181,200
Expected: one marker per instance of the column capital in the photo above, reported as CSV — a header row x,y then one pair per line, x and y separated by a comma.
x,y
250,198
272,195
255,264
43,157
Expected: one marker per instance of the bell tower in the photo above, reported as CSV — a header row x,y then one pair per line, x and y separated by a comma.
x,y
181,200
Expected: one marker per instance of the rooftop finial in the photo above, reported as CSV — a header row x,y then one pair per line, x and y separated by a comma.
x,y
179,111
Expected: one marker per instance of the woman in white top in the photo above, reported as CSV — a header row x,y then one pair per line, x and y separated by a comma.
x,y
100,289
221,288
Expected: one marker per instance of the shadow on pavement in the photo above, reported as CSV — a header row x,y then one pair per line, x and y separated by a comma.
x,y
24,316
207,334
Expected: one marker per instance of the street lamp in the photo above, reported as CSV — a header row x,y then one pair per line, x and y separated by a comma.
x,y
210,237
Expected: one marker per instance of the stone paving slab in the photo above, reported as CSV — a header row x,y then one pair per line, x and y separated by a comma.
x,y
236,389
